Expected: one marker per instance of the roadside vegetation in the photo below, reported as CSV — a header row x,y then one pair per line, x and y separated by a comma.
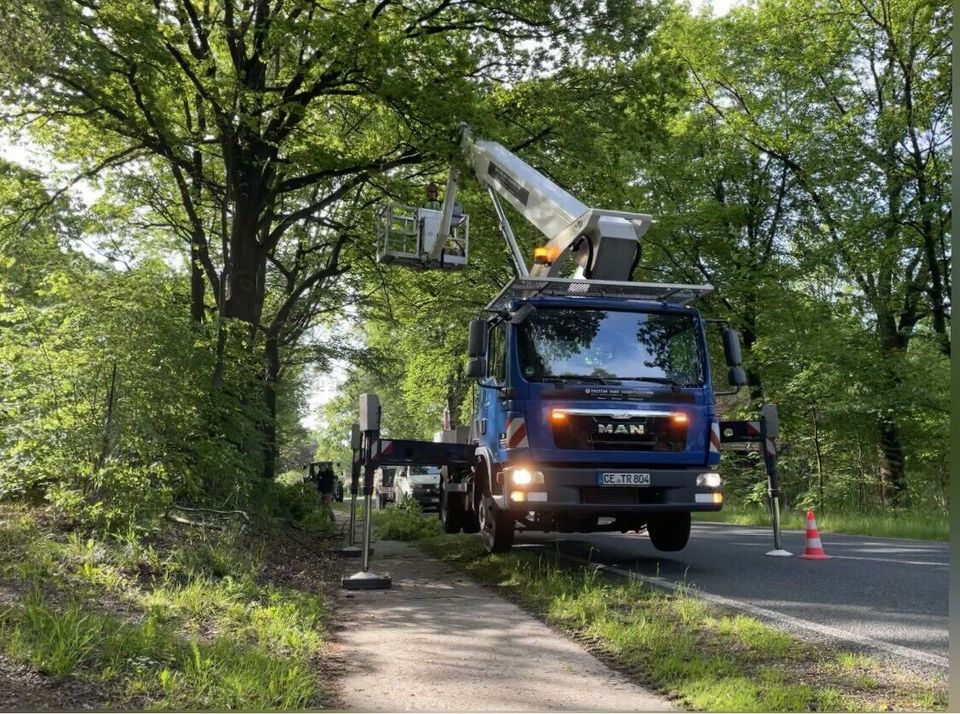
x,y
228,615
710,660
405,521
917,524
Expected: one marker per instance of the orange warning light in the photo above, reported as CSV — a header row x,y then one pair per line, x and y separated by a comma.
x,y
541,256
557,415
680,418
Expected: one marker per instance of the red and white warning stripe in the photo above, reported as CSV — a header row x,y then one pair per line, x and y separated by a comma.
x,y
516,432
715,437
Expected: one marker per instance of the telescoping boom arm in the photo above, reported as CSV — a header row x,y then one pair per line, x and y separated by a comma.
x,y
602,242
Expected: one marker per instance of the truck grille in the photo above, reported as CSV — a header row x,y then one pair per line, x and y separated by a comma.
x,y
620,495
591,432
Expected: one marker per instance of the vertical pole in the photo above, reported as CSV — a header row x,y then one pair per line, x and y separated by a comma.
x,y
367,497
768,431
354,489
369,426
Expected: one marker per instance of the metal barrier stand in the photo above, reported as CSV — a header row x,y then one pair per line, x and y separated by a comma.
x,y
351,550
370,426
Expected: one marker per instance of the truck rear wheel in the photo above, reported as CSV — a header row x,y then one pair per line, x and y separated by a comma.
x,y
452,513
496,526
669,531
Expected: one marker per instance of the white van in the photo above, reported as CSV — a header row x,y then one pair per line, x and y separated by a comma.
x,y
422,484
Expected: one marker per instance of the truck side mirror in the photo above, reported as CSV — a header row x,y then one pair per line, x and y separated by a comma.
x,y
477,342
731,347
476,367
356,437
737,376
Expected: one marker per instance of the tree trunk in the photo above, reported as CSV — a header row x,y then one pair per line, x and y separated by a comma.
x,y
247,259
270,383
198,285
819,454
892,472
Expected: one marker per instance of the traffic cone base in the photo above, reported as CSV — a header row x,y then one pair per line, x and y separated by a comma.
x,y
814,549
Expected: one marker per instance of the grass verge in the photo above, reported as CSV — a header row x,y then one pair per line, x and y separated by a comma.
x,y
185,619
894,524
711,660
405,521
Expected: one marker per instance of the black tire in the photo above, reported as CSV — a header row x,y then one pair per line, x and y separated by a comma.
x,y
452,514
669,531
496,526
471,522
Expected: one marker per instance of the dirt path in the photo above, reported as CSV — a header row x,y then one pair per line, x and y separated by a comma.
x,y
438,642
24,690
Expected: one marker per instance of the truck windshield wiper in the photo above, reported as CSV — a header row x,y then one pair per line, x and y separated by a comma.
x,y
581,378
662,380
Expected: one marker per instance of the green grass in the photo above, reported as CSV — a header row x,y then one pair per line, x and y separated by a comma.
x,y
894,524
190,622
712,660
405,521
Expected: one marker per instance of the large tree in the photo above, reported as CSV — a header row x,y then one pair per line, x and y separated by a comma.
x,y
253,128
852,98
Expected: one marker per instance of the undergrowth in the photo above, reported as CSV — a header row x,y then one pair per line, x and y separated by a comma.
x,y
405,521
185,619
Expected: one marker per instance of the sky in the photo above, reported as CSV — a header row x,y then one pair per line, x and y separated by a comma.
x,y
324,384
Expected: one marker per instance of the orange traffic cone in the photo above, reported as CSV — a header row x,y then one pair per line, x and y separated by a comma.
x,y
814,549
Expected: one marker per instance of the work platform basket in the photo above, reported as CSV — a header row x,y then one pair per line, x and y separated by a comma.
x,y
407,235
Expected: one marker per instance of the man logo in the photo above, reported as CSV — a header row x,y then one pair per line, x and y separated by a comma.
x,y
628,429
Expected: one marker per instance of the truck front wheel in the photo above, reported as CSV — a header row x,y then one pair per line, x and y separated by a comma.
x,y
669,531
496,526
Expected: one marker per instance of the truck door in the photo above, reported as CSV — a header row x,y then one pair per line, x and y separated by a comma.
x,y
492,410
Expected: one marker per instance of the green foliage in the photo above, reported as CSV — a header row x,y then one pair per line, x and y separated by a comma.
x,y
406,522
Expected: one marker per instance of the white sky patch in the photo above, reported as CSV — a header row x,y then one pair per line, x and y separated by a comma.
x,y
720,7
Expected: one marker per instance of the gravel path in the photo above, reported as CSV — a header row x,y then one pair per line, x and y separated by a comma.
x,y
438,642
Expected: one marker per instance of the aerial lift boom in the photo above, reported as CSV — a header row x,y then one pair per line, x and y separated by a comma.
x,y
603,243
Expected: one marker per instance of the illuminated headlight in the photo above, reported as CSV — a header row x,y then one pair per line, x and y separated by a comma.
x,y
710,479
525,477
522,477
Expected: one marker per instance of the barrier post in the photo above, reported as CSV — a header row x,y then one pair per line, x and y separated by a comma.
x,y
769,429
370,427
351,550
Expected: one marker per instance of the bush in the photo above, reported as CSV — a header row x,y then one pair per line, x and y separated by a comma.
x,y
291,497
406,522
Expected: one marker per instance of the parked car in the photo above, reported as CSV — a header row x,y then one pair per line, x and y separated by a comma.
x,y
422,484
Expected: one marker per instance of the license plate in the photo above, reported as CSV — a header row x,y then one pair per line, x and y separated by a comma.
x,y
620,478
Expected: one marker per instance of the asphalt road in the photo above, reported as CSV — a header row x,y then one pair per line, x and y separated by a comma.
x,y
884,594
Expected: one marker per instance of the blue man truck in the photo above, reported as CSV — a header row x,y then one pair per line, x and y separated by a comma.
x,y
595,406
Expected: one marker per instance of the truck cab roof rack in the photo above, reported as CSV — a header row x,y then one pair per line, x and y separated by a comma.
x,y
520,289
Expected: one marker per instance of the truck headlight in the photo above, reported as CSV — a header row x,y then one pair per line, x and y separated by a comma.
x,y
522,477
711,479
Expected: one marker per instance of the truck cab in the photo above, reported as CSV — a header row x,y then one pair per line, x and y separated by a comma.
x,y
593,412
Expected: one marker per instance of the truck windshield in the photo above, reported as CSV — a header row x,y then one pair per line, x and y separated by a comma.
x,y
558,343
